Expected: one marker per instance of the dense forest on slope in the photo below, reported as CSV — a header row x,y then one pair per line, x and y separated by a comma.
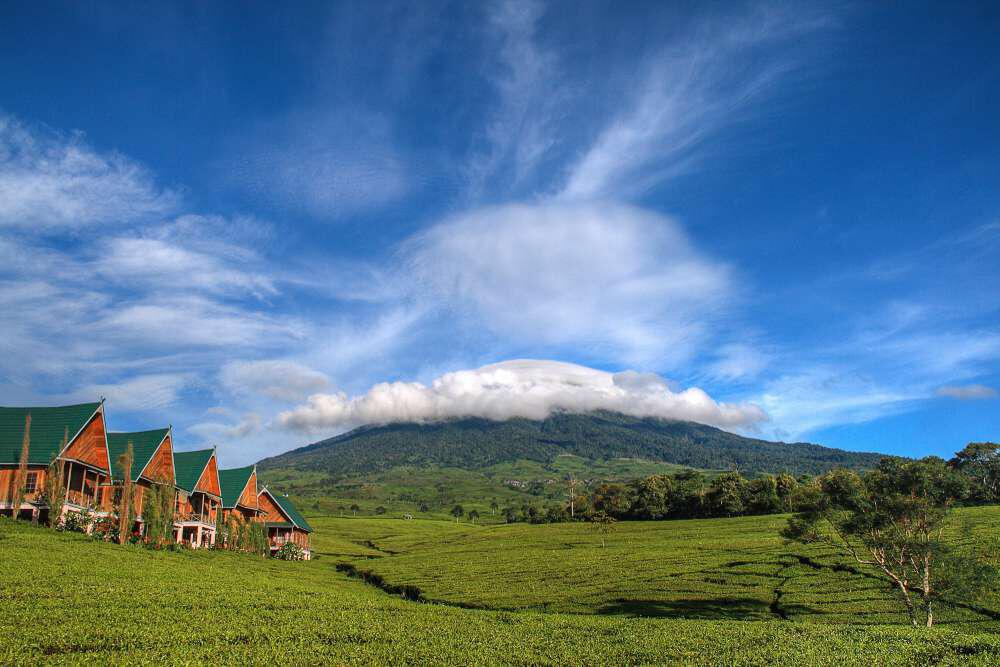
x,y
600,436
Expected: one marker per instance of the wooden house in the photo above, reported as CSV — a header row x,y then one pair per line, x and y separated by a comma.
x,y
239,494
283,521
199,497
73,435
152,463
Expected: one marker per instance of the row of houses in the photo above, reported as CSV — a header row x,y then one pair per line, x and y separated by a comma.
x,y
76,438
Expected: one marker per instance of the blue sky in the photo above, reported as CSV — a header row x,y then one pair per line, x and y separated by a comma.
x,y
265,225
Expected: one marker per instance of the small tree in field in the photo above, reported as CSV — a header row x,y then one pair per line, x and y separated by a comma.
x,y
17,484
354,509
473,516
494,506
457,512
892,522
604,524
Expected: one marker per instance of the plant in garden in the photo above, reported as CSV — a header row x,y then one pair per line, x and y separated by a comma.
x,y
78,521
158,513
290,551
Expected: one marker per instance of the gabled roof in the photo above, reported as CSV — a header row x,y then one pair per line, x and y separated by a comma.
x,y
233,482
188,467
288,509
144,446
48,427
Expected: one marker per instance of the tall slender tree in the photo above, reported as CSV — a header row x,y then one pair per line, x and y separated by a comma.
x,y
55,485
17,487
126,509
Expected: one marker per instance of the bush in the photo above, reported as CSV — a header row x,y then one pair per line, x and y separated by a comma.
x,y
290,551
78,522
107,530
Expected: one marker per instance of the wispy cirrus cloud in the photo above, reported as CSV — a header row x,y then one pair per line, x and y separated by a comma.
x,y
326,162
277,379
51,181
702,83
968,392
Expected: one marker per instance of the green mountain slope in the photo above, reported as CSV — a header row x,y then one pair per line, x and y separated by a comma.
x,y
474,444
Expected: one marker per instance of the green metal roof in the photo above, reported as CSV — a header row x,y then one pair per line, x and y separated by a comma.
x,y
232,482
290,511
48,427
188,467
144,446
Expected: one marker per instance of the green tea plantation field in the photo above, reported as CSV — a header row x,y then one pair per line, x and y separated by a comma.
x,y
67,599
721,569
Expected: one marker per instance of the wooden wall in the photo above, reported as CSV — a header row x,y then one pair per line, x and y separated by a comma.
x,y
272,513
249,497
161,467
7,475
91,445
209,480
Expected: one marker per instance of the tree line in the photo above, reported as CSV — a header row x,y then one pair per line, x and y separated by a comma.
x,y
691,494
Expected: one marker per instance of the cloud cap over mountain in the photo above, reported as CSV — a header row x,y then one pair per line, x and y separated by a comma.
x,y
526,388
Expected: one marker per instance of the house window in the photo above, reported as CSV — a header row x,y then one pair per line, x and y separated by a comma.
x,y
31,482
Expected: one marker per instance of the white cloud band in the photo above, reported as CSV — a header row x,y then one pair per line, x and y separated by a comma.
x,y
522,388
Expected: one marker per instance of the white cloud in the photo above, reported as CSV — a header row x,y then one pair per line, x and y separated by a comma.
x,y
157,263
802,401
695,88
521,388
613,279
969,392
192,320
50,181
520,130
738,361
277,379
248,425
145,392
327,162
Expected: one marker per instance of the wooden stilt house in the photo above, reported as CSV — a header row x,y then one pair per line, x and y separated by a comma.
x,y
75,436
152,463
283,522
199,497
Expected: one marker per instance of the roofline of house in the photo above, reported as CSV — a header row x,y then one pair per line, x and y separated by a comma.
x,y
107,450
153,456
277,504
253,473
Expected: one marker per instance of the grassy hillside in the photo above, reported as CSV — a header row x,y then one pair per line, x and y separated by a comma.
x,y
66,599
476,444
712,569
405,489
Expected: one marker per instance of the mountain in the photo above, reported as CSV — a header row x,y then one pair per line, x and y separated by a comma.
x,y
474,444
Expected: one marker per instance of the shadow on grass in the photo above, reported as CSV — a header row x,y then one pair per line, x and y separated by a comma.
x,y
732,608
